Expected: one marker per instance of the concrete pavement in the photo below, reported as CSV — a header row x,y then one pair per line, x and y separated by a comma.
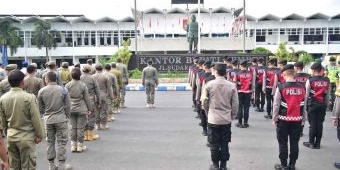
x,y
168,138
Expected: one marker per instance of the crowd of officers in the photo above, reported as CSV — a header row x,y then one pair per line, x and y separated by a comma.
x,y
225,91
37,104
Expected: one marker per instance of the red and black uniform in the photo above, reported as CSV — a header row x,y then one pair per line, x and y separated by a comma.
x,y
232,73
244,82
199,82
268,85
301,78
227,70
289,113
318,96
259,94
192,81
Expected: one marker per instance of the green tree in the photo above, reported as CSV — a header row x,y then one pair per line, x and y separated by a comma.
x,y
261,50
305,57
124,53
282,53
45,37
110,60
9,38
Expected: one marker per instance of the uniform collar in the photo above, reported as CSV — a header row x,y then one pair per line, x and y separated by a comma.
x,y
52,83
16,89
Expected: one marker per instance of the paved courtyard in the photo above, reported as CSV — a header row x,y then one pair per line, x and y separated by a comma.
x,y
168,138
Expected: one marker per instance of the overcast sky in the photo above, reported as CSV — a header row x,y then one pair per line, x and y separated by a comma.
x,y
119,9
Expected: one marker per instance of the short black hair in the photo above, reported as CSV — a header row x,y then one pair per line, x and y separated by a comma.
x,y
51,76
107,67
15,77
89,61
31,69
119,60
75,73
113,65
149,62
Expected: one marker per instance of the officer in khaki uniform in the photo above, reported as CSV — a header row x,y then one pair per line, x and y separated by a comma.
x,y
52,66
118,75
65,73
106,94
80,107
125,78
32,84
54,104
115,89
20,118
4,84
93,69
94,92
150,81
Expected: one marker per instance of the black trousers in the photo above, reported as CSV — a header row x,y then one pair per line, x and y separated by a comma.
x,y
269,98
292,130
219,137
194,97
204,120
259,96
338,129
316,117
244,104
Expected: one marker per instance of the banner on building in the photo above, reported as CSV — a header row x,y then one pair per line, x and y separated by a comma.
x,y
186,1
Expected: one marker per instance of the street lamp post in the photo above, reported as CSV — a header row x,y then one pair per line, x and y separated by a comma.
x,y
244,26
136,50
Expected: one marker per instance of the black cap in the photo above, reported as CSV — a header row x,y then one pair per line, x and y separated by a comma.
x,y
225,58
254,60
316,65
244,63
207,64
298,64
200,62
234,62
107,66
260,60
283,62
287,67
219,67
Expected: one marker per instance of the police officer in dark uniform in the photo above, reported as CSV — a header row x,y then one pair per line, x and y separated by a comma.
x,y
232,72
259,94
268,85
289,114
300,77
227,61
252,68
318,91
198,84
244,81
192,80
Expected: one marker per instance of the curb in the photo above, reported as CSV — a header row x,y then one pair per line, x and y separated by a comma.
x,y
161,87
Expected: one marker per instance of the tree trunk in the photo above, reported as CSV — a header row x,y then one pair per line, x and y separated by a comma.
x,y
4,55
49,58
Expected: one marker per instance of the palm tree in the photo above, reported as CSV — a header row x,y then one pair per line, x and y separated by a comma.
x,y
8,38
45,37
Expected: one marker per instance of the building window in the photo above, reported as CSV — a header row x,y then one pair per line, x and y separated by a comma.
x,y
260,38
293,38
334,37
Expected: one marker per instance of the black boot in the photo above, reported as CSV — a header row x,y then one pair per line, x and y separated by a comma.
x,y
280,167
214,166
291,165
223,165
317,144
337,165
308,145
268,116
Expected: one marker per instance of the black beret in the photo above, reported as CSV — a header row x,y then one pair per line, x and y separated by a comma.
x,y
200,62
254,60
219,67
207,63
234,62
244,63
107,66
225,57
298,64
272,61
196,58
287,67
260,60
316,65
283,62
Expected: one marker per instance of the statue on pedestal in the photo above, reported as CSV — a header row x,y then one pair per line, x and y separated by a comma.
x,y
192,34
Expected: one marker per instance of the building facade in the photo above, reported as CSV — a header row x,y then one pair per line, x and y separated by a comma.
x,y
164,31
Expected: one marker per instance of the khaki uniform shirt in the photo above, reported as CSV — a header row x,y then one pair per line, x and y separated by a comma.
x,y
79,95
123,69
54,103
59,82
221,99
118,75
150,75
4,86
104,85
65,75
113,81
20,116
32,84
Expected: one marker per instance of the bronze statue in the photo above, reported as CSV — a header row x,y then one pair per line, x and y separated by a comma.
x,y
192,34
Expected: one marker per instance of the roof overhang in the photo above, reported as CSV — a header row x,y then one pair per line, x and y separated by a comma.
x,y
105,19
202,10
221,10
59,19
127,19
176,11
318,16
269,17
82,19
153,11
293,17
32,19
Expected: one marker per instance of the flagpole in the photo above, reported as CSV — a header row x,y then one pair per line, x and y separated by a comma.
x,y
136,34
244,26
199,29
